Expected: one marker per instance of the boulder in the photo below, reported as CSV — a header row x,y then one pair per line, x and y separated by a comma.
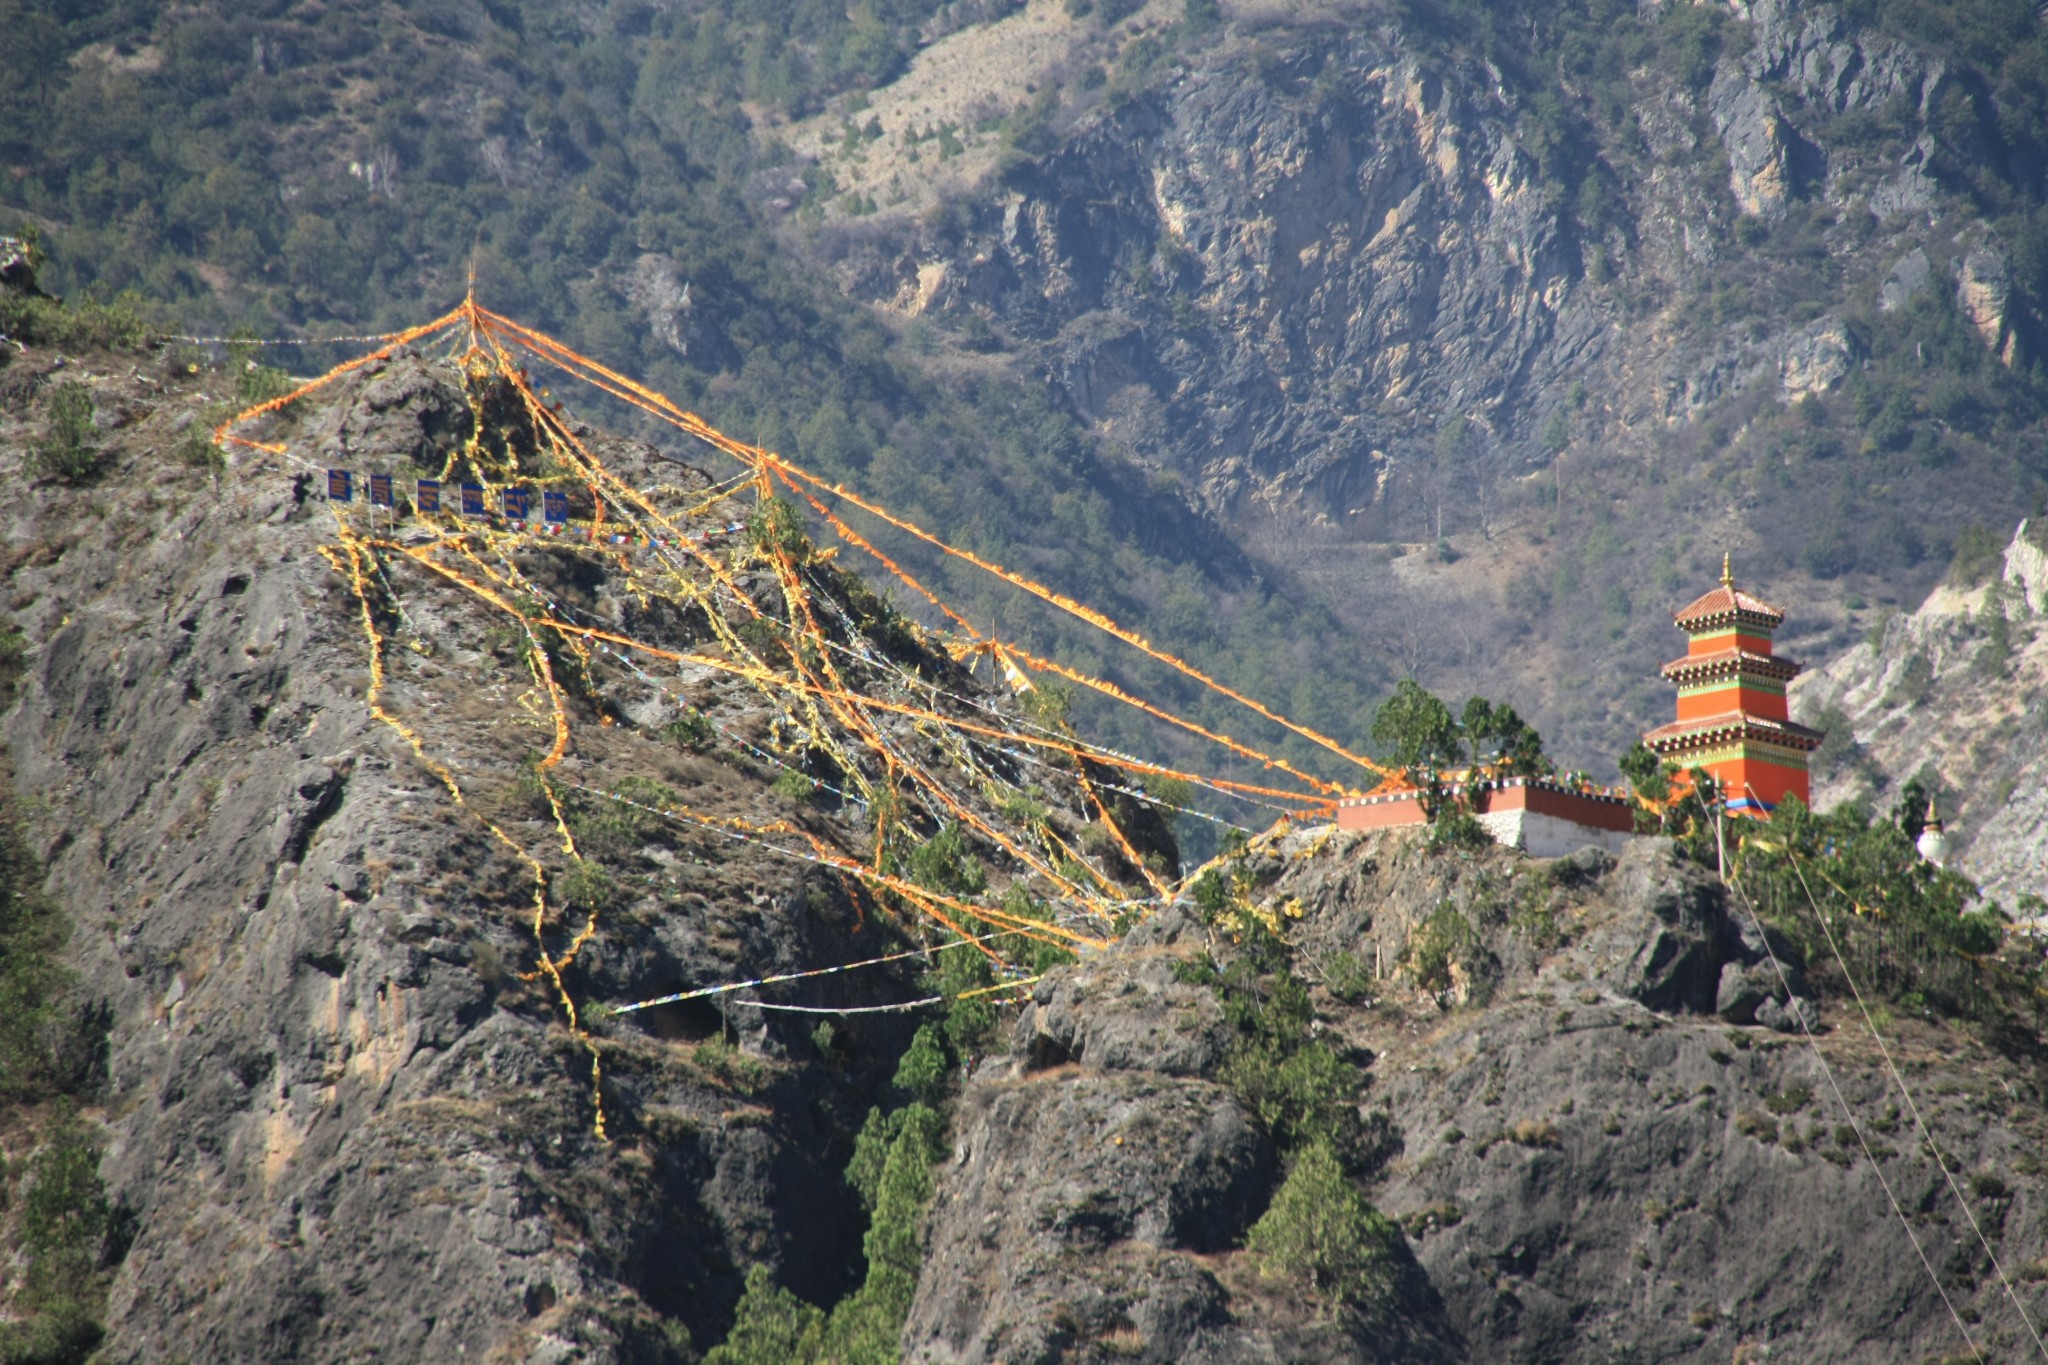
x,y
1739,994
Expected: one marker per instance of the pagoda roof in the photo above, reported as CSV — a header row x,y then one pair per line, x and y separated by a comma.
x,y
1727,605
1732,725
1731,660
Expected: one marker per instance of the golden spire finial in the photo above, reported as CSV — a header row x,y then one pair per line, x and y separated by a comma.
x,y
1727,573
1933,817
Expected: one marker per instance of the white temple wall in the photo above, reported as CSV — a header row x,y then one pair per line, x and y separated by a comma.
x,y
1548,836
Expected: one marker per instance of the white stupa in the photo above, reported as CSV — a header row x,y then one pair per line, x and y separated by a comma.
x,y
1933,840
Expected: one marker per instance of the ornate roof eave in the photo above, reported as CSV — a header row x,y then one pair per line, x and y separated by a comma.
x,y
1734,725
1736,661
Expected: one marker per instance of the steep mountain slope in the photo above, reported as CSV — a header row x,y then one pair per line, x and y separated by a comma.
x,y
348,1115
1952,697
1583,295
1324,344
316,169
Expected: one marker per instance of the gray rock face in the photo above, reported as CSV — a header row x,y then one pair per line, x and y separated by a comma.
x,y
1275,276
1984,295
663,299
1827,58
1124,1020
1738,993
1768,162
345,1128
1908,278
1092,1193
1622,1155
1818,357
1375,241
343,1125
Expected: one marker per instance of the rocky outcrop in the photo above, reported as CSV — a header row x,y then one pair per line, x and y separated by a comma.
x,y
1984,295
1612,1153
1828,60
341,1124
1336,265
1953,694
1908,278
1769,164
1817,358
344,1119
663,299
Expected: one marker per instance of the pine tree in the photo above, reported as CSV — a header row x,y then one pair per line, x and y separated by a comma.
x,y
771,1327
1321,1229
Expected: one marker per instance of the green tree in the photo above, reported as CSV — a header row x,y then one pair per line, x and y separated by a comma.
x,y
69,450
1321,1230
779,528
1915,934
864,1327
64,1220
1993,658
1500,730
32,978
922,1072
1647,773
891,1172
1415,729
1909,812
1284,1071
32,61
1445,938
882,1132
943,863
771,1327
1557,432
1449,456
1690,802
971,1022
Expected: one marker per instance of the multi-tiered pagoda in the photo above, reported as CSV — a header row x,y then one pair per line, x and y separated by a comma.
x,y
1732,719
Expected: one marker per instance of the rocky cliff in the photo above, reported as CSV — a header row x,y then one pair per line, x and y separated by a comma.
x,y
1322,240
1594,1151
345,1120
1484,327
1494,358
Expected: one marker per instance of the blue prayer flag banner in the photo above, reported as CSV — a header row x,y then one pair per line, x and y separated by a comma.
x,y
341,485
516,501
554,506
380,490
427,499
473,500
